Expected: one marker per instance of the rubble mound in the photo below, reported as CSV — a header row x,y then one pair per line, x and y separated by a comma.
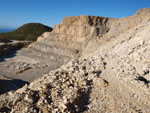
x,y
109,74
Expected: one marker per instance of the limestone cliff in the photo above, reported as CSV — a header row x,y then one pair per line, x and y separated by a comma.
x,y
70,39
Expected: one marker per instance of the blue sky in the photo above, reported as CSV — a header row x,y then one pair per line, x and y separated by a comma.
x,y
14,13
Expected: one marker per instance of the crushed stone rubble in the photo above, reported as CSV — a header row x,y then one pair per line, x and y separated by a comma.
x,y
66,89
22,66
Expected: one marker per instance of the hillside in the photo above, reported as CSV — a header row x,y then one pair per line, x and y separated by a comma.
x,y
28,32
102,66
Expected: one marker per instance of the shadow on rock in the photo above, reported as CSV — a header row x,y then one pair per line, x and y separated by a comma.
x,y
9,55
8,85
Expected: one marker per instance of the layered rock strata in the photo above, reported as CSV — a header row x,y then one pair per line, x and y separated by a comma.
x,y
69,39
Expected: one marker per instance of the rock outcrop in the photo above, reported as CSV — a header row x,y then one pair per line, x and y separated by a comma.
x,y
109,72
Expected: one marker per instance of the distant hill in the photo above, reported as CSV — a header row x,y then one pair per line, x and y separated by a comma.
x,y
28,32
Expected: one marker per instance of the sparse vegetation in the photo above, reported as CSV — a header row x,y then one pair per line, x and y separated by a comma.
x,y
28,32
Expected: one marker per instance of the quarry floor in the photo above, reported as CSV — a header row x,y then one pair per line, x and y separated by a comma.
x,y
9,67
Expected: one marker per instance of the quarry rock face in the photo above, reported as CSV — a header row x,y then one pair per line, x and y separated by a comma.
x,y
83,26
108,68
70,39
